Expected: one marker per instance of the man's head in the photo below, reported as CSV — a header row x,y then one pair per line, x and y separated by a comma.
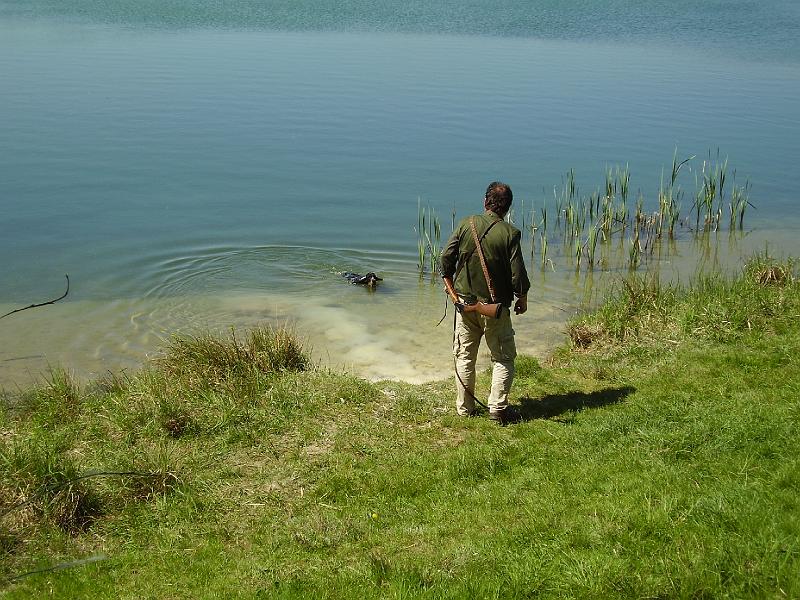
x,y
498,198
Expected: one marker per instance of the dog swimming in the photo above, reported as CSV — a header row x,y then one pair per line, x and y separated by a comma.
x,y
369,280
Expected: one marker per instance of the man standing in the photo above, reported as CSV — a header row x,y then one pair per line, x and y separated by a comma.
x,y
482,263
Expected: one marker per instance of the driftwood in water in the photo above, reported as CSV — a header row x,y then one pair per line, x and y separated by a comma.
x,y
64,295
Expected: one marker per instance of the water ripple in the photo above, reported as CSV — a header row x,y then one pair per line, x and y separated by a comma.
x,y
218,269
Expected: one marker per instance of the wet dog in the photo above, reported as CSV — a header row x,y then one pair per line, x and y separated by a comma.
x,y
370,279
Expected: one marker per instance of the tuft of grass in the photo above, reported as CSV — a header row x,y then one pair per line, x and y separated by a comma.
x,y
59,397
158,471
40,480
210,360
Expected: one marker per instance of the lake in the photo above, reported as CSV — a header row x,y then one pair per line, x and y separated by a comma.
x,y
202,165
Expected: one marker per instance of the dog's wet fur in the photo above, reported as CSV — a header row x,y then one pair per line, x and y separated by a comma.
x,y
370,279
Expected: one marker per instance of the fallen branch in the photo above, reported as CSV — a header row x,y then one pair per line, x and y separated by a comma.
x,y
64,295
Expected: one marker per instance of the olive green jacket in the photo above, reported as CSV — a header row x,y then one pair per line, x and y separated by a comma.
x,y
501,248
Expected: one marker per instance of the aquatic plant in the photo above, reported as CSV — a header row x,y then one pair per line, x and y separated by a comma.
x,y
584,224
420,231
635,250
740,200
710,193
429,237
591,245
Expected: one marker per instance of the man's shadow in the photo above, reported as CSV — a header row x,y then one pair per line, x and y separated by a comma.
x,y
554,405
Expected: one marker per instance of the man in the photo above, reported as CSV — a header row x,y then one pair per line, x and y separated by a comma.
x,y
464,274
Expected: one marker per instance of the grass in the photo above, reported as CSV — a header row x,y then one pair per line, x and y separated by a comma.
x,y
657,458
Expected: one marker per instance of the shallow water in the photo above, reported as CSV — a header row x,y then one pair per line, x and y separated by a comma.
x,y
197,166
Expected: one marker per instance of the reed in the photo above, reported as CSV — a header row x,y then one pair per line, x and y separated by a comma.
x,y
419,230
533,228
429,237
611,183
571,188
623,184
710,193
635,250
433,237
544,219
740,200
564,200
639,216
583,222
543,246
591,246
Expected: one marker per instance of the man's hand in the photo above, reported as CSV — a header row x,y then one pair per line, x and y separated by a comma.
x,y
521,305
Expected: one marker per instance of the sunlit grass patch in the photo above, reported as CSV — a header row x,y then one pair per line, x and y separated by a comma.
x,y
41,481
659,461
644,310
209,360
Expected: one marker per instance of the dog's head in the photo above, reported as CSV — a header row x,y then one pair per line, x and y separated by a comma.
x,y
371,279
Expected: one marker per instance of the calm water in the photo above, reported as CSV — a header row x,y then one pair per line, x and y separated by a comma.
x,y
202,164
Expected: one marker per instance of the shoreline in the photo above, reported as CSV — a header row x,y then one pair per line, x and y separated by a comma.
x,y
665,429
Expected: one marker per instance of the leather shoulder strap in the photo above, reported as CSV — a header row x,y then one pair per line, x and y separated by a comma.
x,y
468,256
479,250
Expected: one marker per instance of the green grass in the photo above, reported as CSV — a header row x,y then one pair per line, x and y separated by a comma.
x,y
656,458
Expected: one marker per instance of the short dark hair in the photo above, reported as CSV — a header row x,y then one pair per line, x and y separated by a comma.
x,y
498,198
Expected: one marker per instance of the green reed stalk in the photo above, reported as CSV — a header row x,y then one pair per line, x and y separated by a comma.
x,y
635,251
420,231
429,237
740,200
611,183
721,178
623,182
639,212
433,237
571,185
544,218
559,206
709,195
607,219
543,245
591,245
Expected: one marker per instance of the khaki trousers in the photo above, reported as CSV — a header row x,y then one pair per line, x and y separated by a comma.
x,y
470,327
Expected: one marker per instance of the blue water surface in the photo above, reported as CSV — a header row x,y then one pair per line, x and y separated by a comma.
x,y
171,149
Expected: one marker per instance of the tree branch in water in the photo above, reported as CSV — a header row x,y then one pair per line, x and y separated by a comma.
x,y
64,295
